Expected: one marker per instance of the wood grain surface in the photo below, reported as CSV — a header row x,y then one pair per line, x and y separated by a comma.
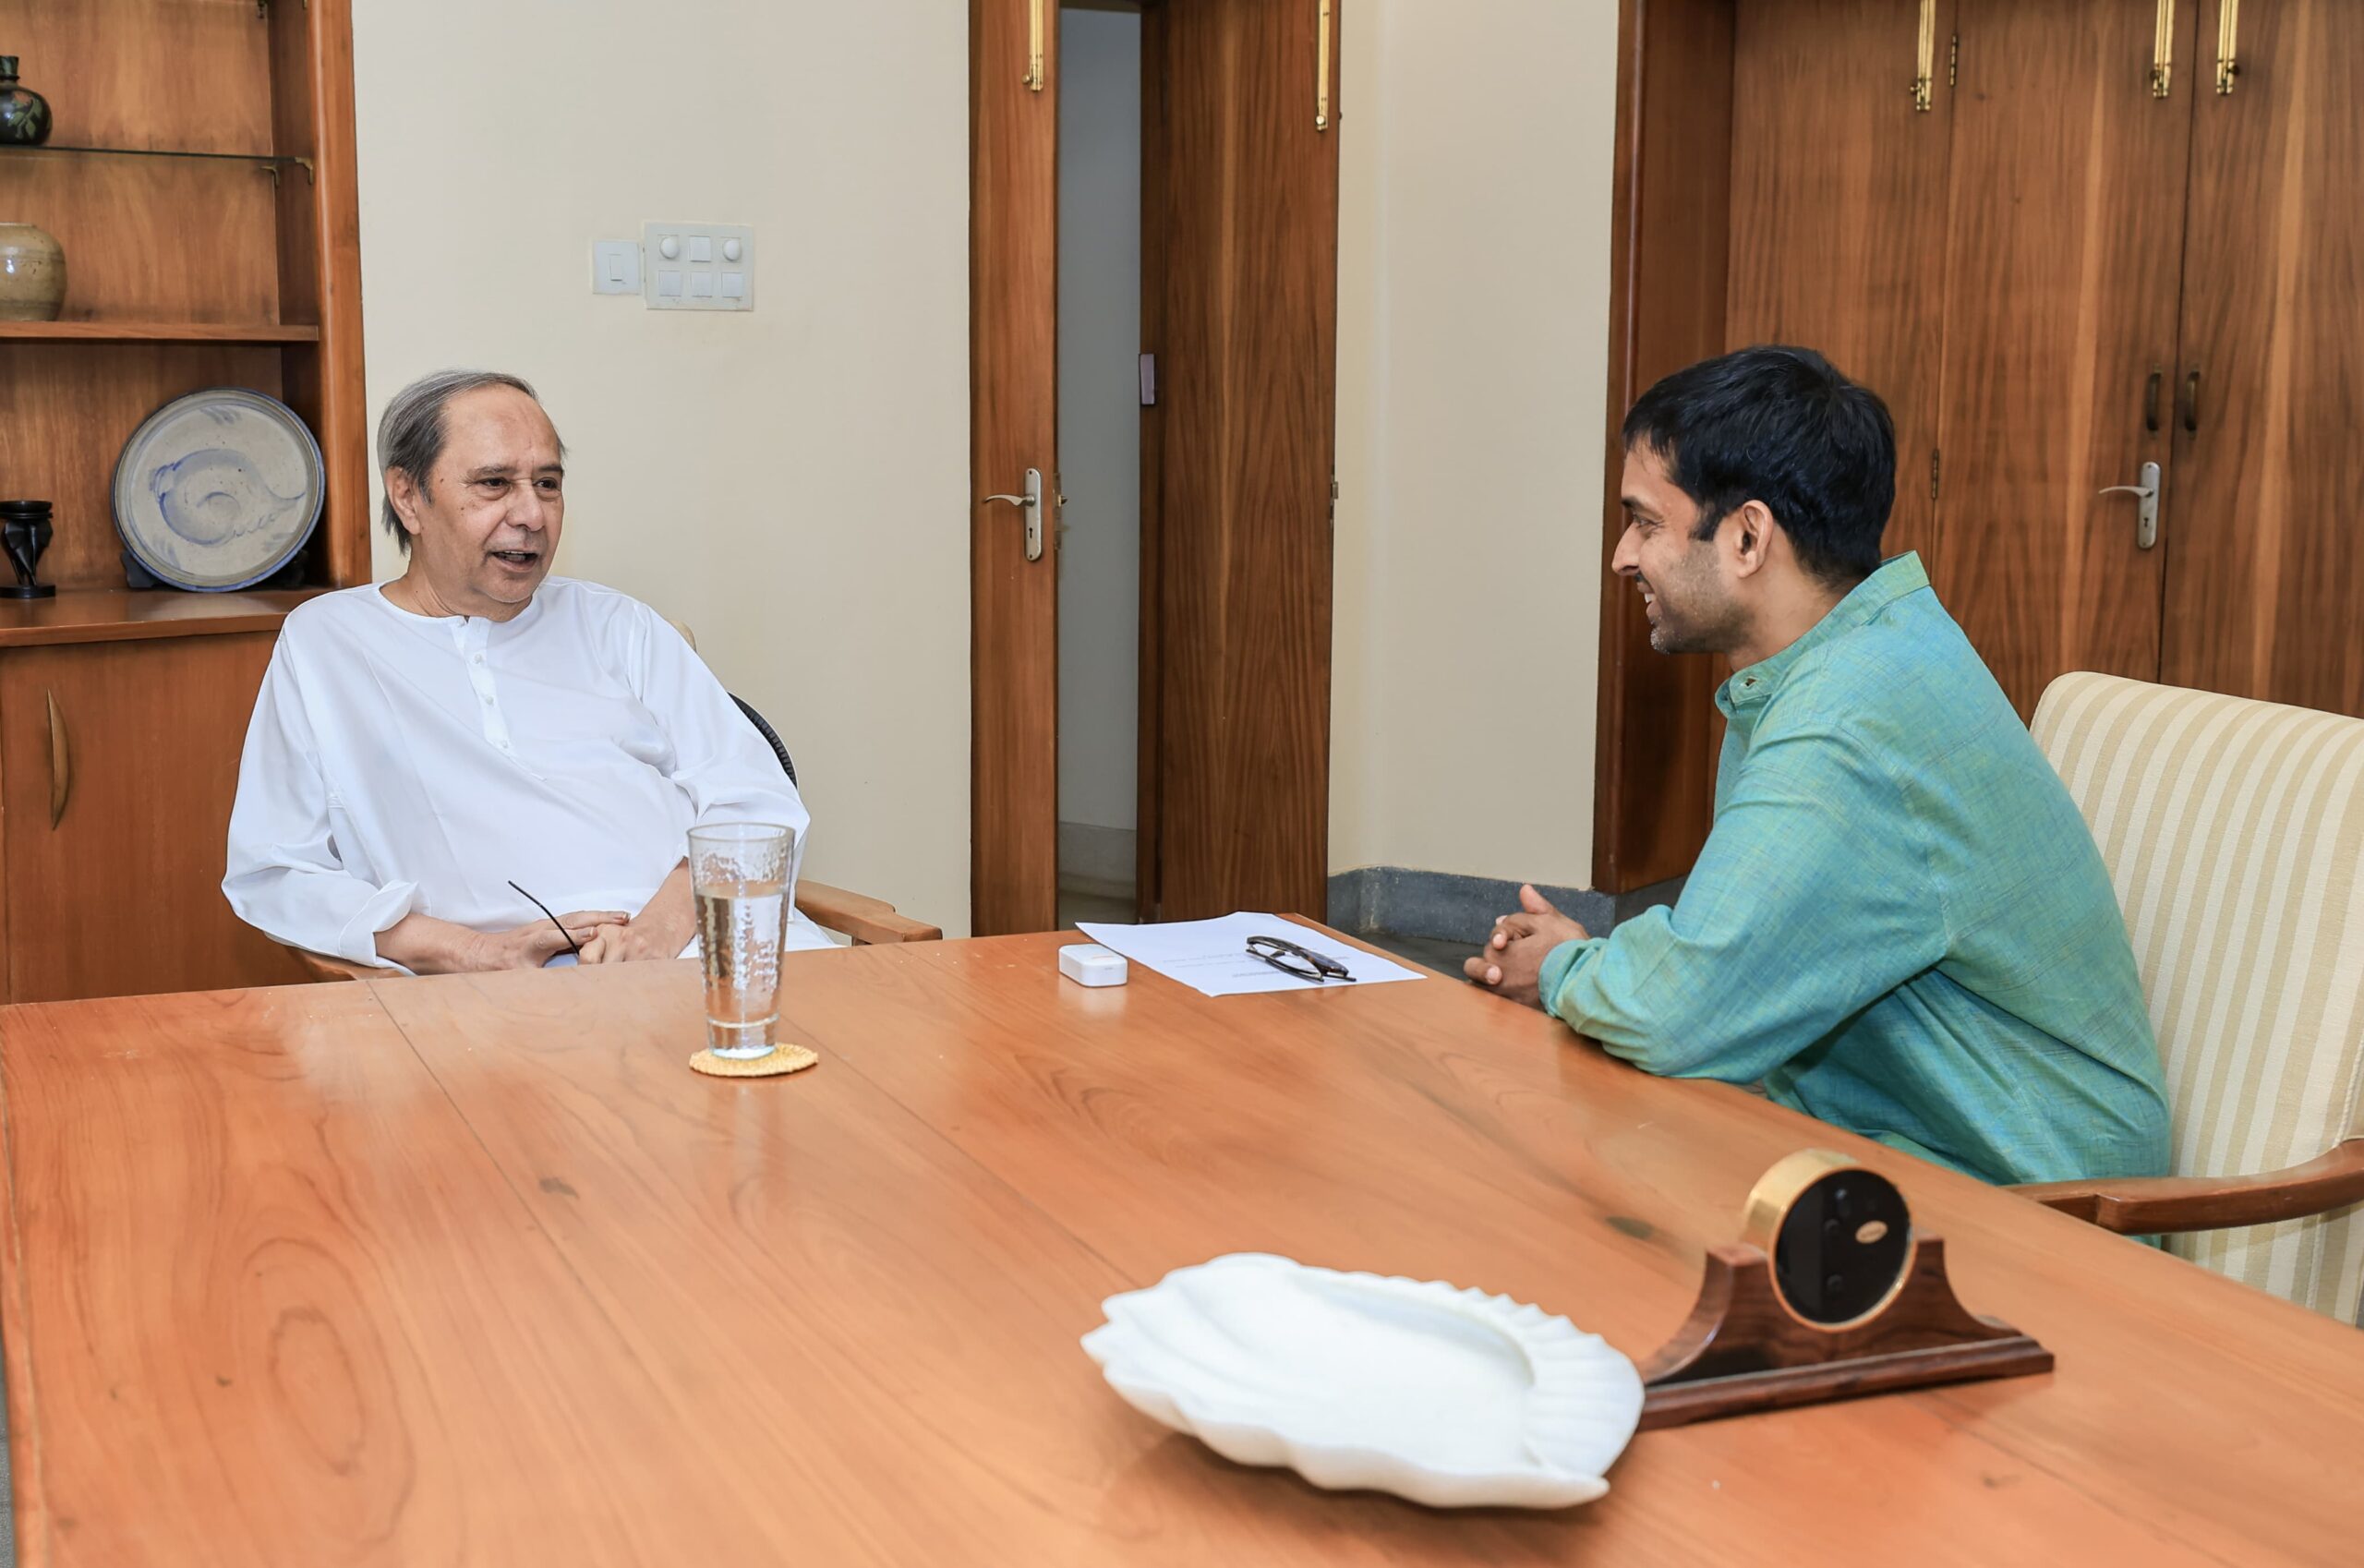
x,y
113,615
1246,363
474,1270
2265,561
2064,252
1655,789
67,408
1014,426
1838,211
155,331
150,74
122,893
320,267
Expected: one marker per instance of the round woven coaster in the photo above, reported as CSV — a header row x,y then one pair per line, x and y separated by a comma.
x,y
782,1059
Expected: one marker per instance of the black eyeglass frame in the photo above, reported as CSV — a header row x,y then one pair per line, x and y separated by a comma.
x,y
1290,958
571,945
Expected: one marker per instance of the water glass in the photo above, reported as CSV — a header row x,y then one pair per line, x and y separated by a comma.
x,y
739,875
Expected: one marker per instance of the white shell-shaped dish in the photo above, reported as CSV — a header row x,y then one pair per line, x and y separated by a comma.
x,y
1453,1398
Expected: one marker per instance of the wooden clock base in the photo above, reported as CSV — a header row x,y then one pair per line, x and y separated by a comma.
x,y
1742,1350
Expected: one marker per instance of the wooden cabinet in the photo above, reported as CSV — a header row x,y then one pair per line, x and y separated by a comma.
x,y
200,178
2105,237
118,762
2265,558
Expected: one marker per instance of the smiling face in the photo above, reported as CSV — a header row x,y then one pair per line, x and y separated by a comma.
x,y
485,525
1684,586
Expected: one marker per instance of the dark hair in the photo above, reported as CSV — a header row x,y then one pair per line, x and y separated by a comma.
x,y
1780,426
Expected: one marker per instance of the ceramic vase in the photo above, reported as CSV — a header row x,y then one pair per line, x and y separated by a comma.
x,y
24,114
33,274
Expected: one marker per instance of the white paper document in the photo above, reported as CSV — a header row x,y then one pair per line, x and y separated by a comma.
x,y
1211,956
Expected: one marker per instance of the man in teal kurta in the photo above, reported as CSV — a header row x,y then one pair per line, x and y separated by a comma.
x,y
1900,924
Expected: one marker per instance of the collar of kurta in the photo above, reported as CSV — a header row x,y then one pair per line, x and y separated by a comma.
x,y
468,632
1755,686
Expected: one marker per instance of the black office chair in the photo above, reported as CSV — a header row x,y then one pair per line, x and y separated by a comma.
x,y
779,748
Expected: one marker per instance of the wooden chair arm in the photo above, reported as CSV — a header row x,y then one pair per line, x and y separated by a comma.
x,y
863,919
2157,1204
320,966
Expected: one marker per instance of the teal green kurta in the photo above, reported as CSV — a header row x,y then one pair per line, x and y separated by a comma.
x,y
1899,921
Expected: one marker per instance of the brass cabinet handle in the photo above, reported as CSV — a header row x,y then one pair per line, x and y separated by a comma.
x,y
2151,401
1322,68
61,762
1036,77
1924,59
2192,404
2163,45
2228,44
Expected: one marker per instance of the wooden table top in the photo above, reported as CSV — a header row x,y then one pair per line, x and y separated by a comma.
x,y
474,1270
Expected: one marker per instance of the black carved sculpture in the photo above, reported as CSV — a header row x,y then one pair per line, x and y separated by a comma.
x,y
24,530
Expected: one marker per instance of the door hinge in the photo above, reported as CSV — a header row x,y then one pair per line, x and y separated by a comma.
x,y
1333,500
1933,473
1953,61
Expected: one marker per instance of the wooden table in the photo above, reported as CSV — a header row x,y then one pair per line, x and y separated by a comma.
x,y
475,1271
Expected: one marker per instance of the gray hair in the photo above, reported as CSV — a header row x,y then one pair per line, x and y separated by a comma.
x,y
410,433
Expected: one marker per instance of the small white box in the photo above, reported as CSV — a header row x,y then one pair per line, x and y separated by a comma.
x,y
1088,963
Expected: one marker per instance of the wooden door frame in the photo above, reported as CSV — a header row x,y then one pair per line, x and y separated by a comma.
x,y
1670,223
1013,424
1148,776
991,903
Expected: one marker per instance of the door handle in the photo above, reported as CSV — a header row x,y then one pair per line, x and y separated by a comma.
x,y
61,762
2146,508
1030,503
2151,401
2192,404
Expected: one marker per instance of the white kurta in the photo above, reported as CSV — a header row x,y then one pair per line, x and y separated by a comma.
x,y
402,762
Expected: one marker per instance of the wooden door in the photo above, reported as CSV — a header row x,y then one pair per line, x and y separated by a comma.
x,y
2266,555
1669,220
1839,207
1245,184
1014,423
118,815
2067,194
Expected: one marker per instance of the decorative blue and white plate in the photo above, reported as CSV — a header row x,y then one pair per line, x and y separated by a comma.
x,y
218,489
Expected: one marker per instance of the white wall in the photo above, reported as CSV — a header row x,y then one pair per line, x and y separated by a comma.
x,y
791,482
1473,353
1100,416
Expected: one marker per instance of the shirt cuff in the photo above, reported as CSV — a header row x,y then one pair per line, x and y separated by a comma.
x,y
1561,963
384,908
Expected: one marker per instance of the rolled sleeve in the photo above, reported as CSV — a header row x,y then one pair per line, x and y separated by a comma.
x,y
285,873
1795,918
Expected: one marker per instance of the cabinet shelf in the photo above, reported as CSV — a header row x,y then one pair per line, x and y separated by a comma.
x,y
271,160
155,331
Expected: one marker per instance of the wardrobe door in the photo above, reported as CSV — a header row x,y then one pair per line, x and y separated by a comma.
x,y
1838,200
2265,547
2067,194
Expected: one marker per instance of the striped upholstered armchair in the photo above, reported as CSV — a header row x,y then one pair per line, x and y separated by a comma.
x,y
2234,831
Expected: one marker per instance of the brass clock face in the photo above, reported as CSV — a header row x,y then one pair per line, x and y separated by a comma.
x,y
1839,1237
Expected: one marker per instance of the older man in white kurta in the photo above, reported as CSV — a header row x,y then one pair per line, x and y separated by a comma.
x,y
419,747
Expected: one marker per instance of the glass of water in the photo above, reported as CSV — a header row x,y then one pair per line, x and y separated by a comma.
x,y
739,873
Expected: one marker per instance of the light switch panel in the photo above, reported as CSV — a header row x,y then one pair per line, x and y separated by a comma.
x,y
698,266
615,266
